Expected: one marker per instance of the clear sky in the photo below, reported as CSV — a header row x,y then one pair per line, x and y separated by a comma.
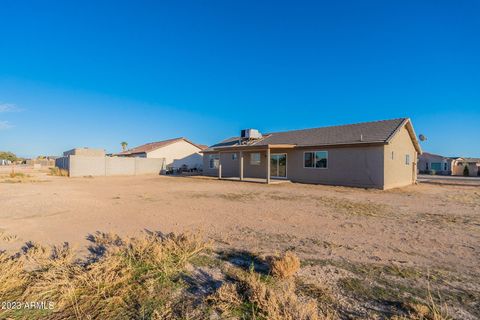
x,y
95,73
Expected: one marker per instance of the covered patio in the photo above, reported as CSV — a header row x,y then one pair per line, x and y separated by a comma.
x,y
276,163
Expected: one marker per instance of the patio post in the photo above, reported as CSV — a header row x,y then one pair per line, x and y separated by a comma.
x,y
219,166
241,165
268,165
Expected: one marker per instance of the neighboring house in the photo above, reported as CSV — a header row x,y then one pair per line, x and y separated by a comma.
x,y
473,165
178,153
435,164
381,154
4,162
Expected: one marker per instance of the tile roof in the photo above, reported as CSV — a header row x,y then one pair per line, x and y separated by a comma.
x,y
156,145
470,160
367,132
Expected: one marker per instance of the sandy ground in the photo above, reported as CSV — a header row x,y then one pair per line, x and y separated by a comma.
x,y
424,226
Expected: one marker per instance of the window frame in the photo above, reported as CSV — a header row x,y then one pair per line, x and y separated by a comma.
x,y
234,156
314,161
215,156
407,159
252,163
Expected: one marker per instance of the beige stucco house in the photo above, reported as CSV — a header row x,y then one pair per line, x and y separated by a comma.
x,y
430,163
473,165
380,154
436,164
178,153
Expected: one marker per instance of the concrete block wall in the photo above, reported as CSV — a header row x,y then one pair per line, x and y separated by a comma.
x,y
81,166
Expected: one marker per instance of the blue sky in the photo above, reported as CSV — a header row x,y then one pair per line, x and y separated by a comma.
x,y
95,73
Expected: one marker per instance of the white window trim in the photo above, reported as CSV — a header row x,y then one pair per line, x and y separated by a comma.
x,y
303,159
259,159
210,158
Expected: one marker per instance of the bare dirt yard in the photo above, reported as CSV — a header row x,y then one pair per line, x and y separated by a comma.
x,y
364,253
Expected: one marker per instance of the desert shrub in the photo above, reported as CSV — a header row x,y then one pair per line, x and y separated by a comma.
x,y
253,296
429,311
13,278
128,279
285,265
20,175
56,171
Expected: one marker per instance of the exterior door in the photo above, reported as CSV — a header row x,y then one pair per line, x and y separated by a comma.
x,y
278,165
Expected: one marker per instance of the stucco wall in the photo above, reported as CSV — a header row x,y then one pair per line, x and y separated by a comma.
x,y
178,154
230,166
473,169
352,166
148,166
397,172
358,166
85,152
115,166
80,166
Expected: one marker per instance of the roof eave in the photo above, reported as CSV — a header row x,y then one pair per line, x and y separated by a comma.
x,y
408,123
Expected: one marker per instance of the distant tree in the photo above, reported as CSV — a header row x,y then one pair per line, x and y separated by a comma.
x,y
5,155
124,145
466,172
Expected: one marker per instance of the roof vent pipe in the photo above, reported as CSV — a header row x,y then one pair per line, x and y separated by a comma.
x,y
361,137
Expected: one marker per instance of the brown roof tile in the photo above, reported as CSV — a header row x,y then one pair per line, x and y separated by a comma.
x,y
156,145
367,132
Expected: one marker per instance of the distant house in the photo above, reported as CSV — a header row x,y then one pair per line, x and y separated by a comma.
x,y
4,162
430,163
178,153
381,154
473,165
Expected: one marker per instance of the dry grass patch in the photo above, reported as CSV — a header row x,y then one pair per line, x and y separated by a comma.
x,y
253,296
356,208
344,205
123,279
17,177
55,171
285,266
230,196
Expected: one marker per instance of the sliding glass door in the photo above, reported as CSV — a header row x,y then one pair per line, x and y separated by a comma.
x,y
278,165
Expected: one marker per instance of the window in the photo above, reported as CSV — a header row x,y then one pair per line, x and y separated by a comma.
x,y
234,156
407,159
213,161
255,159
315,159
308,159
392,155
426,165
445,166
437,166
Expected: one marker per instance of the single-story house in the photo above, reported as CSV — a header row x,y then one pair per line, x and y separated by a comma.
x,y
178,153
435,164
473,165
380,154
